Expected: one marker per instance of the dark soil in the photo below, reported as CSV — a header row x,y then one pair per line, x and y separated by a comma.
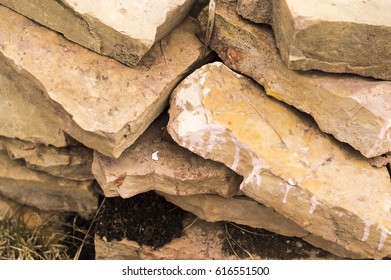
x,y
145,218
269,245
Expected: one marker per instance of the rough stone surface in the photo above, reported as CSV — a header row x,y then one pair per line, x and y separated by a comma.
x,y
21,119
98,101
245,211
240,210
353,109
72,162
380,161
156,162
259,11
124,30
287,162
44,191
340,36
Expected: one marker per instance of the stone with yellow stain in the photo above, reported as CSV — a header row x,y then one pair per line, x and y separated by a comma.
x,y
98,101
123,29
156,162
354,110
287,162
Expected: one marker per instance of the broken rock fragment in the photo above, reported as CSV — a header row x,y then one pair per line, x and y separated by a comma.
x,y
44,191
287,162
259,11
98,101
71,162
156,162
354,110
124,30
335,36
23,120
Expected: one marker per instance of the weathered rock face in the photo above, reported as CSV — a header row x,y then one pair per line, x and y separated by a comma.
x,y
240,210
335,36
156,162
353,109
72,162
21,119
287,163
98,101
124,30
44,191
259,11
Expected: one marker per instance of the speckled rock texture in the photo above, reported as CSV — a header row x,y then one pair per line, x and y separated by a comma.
x,y
98,101
124,30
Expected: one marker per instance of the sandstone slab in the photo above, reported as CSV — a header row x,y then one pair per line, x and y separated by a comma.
x,y
44,191
343,36
259,11
98,101
240,210
245,211
124,30
354,110
156,162
287,162
71,162
23,120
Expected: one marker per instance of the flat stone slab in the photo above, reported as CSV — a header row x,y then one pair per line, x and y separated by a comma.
x,y
343,36
23,120
354,110
44,191
245,211
240,210
71,162
287,162
124,30
98,101
156,162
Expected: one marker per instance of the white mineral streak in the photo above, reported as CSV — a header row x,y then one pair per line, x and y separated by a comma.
x,y
381,138
383,236
314,202
367,229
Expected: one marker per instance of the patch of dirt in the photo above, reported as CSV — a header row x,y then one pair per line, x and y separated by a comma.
x,y
145,218
244,241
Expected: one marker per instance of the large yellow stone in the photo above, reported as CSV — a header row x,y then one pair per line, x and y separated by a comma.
x,y
354,110
287,162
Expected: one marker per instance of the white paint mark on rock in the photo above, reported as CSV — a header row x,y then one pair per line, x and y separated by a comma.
x,y
314,203
155,156
367,229
288,188
383,236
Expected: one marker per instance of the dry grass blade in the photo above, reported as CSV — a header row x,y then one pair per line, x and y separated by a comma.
x,y
190,225
251,232
210,25
236,243
77,255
